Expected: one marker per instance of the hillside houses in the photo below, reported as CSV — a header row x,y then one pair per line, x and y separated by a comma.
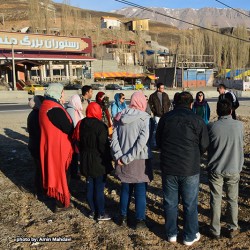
x,y
110,22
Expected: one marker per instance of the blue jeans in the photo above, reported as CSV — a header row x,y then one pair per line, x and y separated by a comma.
x,y
95,194
153,138
187,188
140,199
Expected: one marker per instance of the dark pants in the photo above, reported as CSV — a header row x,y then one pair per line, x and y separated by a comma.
x,y
233,114
95,194
74,165
139,190
38,177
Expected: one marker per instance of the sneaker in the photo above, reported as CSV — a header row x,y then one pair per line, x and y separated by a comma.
x,y
190,243
91,215
141,224
103,217
214,236
122,220
172,239
63,209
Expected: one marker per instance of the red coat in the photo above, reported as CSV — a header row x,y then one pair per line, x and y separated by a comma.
x,y
56,154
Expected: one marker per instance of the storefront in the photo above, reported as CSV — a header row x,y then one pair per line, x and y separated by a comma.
x,y
44,58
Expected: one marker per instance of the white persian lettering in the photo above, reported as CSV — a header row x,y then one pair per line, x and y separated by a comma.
x,y
25,41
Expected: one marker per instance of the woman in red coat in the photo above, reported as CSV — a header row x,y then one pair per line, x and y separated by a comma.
x,y
55,146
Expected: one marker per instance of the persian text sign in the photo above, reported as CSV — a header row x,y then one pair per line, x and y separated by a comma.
x,y
44,42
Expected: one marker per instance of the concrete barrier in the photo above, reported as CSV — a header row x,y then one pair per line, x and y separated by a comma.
x,y
23,96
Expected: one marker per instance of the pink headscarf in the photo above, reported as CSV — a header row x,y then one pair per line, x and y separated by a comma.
x,y
138,101
75,102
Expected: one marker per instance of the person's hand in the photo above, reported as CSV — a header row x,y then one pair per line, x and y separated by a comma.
x,y
119,162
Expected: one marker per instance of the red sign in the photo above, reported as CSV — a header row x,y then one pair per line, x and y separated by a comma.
x,y
36,42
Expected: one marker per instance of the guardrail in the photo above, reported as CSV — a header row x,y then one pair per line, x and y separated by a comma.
x,y
23,96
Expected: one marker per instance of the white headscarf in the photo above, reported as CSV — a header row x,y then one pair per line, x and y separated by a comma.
x,y
75,102
54,91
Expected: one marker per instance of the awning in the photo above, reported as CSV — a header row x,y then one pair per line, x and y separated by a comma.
x,y
115,42
117,75
47,57
152,77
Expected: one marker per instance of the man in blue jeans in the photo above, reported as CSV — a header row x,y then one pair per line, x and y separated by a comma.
x,y
182,137
225,162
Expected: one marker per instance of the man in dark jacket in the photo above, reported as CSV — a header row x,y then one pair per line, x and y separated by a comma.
x,y
225,94
182,137
159,104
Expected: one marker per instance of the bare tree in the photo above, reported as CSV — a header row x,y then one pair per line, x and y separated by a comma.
x,y
225,51
65,18
35,17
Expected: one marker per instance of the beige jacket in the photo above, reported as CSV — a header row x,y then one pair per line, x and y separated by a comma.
x,y
85,104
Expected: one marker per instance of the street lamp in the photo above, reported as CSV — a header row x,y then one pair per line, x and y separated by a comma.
x,y
13,67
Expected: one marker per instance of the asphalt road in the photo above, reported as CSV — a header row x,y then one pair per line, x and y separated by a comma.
x,y
16,107
13,107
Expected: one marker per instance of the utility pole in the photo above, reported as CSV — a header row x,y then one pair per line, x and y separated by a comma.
x,y
175,66
13,67
182,73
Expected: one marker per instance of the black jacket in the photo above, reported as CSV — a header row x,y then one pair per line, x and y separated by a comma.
x,y
95,156
155,105
182,137
233,99
34,131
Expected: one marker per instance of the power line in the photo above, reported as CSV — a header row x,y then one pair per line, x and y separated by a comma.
x,y
195,25
232,8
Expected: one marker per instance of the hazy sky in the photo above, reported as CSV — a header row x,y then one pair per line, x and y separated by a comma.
x,y
107,5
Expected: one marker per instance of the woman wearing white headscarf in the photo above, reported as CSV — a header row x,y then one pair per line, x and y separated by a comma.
x,y
55,148
74,108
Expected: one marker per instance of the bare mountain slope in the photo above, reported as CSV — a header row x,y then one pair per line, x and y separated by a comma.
x,y
208,17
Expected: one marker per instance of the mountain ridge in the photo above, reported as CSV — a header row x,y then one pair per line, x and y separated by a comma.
x,y
207,16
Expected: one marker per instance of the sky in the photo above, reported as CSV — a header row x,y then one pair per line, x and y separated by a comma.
x,y
108,5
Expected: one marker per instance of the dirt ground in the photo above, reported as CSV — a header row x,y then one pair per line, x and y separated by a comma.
x,y
27,223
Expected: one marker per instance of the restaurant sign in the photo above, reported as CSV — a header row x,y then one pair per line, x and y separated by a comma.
x,y
44,42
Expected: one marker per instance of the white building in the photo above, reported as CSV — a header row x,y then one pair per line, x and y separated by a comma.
x,y
110,22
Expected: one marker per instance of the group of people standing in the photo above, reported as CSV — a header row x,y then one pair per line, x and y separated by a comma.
x,y
86,131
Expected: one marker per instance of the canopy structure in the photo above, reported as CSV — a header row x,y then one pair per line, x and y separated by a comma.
x,y
152,77
115,42
118,75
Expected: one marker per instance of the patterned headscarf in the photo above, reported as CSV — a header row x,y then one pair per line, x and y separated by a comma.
x,y
103,101
54,91
99,97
